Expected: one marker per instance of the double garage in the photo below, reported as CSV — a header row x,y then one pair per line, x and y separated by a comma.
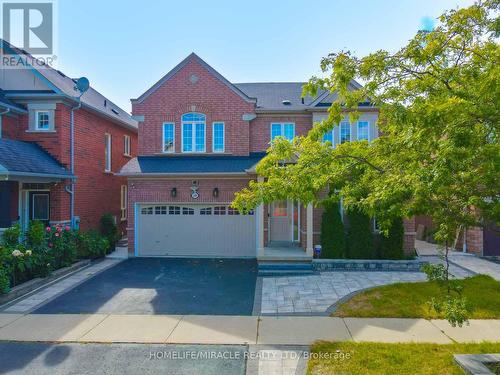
x,y
194,230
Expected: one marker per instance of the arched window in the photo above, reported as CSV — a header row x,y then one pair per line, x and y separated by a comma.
x,y
193,132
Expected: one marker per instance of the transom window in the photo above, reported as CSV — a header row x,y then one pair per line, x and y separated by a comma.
x,y
174,210
232,211
218,137
206,211
345,132
187,211
42,120
168,137
160,210
220,210
193,132
286,130
363,131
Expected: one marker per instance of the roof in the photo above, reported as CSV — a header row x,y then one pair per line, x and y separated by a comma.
x,y
178,67
91,99
18,158
164,165
8,104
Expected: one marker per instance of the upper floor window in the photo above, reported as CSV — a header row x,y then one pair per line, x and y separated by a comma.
x,y
168,137
126,145
218,137
363,131
42,120
193,132
345,132
328,137
107,152
286,130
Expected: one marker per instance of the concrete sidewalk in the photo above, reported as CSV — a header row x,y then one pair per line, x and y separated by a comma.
x,y
197,329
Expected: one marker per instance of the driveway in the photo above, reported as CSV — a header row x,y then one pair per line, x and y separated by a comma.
x,y
164,286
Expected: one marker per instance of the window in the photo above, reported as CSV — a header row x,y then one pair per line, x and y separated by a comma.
x,y
218,137
126,145
363,131
220,210
123,202
286,130
42,120
174,210
107,152
147,211
328,137
345,132
206,211
232,211
168,137
280,209
193,132
187,211
161,210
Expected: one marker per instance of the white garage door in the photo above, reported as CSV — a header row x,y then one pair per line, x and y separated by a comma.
x,y
194,230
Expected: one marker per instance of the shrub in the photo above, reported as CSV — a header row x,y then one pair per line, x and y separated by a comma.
x,y
91,245
35,236
4,281
391,247
359,235
109,230
61,241
11,235
333,241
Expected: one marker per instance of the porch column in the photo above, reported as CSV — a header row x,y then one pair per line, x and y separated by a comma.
x,y
309,230
259,212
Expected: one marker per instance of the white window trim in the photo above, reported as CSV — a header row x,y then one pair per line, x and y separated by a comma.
x,y
37,128
193,137
340,131
223,137
126,145
368,129
107,155
163,138
282,124
123,202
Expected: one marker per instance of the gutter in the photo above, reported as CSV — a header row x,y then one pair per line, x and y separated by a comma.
x,y
33,174
181,174
71,188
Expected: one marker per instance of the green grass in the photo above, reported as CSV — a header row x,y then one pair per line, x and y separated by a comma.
x,y
409,300
390,359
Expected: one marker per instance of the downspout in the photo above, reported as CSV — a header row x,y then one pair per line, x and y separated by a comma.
x,y
1,117
71,190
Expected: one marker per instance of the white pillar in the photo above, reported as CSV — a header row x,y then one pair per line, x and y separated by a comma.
x,y
309,230
259,212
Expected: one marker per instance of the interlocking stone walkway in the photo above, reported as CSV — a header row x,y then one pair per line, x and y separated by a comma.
x,y
314,294
477,265
55,289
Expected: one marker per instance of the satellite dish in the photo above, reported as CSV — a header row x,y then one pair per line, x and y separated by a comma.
x,y
82,85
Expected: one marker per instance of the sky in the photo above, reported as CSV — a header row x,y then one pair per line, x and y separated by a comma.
x,y
124,47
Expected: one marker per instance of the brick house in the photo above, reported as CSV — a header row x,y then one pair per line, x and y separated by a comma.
x,y
200,137
36,173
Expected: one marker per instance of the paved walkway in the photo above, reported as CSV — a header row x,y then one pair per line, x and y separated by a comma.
x,y
56,288
196,329
314,294
476,265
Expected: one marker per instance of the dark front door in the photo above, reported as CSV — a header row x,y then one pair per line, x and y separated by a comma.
x,y
39,206
491,237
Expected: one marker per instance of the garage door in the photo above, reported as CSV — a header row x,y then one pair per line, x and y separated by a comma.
x,y
194,230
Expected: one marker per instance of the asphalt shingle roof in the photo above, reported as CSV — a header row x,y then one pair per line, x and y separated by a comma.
x,y
20,158
191,164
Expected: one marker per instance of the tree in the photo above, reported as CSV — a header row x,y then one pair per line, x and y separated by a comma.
x,y
359,235
391,245
439,155
333,241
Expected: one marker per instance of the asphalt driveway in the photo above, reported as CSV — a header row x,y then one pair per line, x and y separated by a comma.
x,y
164,286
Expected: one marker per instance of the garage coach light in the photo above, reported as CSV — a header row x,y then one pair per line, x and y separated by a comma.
x,y
173,192
215,192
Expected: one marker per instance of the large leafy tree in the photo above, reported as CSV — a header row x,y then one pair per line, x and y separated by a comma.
x,y
438,99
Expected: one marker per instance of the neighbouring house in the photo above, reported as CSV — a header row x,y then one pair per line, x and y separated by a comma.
x,y
200,138
37,181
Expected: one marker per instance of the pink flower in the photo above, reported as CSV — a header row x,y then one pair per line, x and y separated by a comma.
x,y
67,228
57,234
48,229
50,244
59,229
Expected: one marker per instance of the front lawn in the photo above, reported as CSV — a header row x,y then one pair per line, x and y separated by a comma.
x,y
409,300
401,359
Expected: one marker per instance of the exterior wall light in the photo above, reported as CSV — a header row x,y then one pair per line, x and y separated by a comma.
x,y
173,192
215,192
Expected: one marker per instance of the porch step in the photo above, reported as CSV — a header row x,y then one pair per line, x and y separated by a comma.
x,y
284,269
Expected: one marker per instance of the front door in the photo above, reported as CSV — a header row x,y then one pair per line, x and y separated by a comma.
x,y
39,206
281,221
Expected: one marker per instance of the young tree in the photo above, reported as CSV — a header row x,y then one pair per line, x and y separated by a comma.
x,y
439,155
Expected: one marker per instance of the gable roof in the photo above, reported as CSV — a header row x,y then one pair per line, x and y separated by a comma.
x,y
182,64
64,85
175,165
18,158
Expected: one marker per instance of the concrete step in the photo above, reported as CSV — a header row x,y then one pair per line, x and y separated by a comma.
x,y
284,269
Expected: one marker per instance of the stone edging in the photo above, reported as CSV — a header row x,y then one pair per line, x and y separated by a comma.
x,y
38,282
473,364
344,265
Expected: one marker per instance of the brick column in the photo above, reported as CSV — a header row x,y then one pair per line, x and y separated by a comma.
x,y
409,236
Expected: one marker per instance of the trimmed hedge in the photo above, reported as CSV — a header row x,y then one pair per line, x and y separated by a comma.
x,y
359,236
333,241
391,247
